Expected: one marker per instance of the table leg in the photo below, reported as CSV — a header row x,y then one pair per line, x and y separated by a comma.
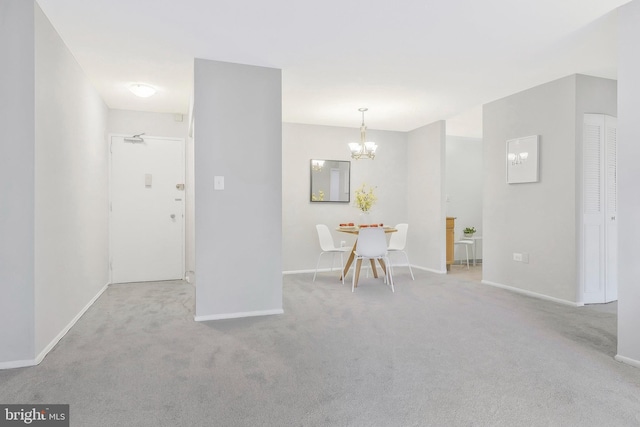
x,y
352,255
357,272
474,252
382,265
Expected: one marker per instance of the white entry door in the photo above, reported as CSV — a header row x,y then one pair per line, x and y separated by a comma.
x,y
146,209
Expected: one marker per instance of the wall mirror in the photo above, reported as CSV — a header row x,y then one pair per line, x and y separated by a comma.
x,y
330,180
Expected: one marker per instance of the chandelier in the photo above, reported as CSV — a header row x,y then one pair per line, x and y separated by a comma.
x,y
317,165
363,149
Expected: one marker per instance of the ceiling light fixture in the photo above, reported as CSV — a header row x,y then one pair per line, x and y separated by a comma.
x,y
142,90
317,165
363,149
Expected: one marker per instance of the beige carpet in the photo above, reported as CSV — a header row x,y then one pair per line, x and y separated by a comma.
x,y
439,352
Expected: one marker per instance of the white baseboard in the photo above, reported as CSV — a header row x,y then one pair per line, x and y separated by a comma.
x,y
432,270
17,364
190,277
238,315
320,270
62,333
49,347
627,361
532,294
302,271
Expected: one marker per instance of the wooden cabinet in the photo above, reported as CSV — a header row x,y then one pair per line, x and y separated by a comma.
x,y
451,223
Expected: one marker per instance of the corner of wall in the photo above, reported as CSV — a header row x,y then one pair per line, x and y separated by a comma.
x,y
17,183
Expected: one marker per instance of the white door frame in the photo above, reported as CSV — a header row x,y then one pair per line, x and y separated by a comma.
x,y
184,237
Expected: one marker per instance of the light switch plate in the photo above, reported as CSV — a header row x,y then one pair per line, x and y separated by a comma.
x,y
218,182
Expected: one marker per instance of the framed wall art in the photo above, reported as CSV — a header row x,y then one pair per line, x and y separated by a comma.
x,y
522,160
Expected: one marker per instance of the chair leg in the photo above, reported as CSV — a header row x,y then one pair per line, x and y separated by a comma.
x,y
385,268
317,264
409,264
356,274
389,263
389,275
473,250
342,267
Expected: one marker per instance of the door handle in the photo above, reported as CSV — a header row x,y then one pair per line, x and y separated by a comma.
x,y
173,216
613,218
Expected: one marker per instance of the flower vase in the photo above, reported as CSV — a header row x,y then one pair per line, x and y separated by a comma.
x,y
365,218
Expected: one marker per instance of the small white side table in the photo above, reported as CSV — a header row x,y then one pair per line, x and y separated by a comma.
x,y
475,242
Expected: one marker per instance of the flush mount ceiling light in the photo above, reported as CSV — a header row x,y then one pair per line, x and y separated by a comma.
x,y
364,149
142,90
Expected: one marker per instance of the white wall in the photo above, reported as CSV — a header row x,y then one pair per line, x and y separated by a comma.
x,y
153,124
238,135
17,187
387,172
539,219
426,242
628,179
534,218
464,186
71,188
164,125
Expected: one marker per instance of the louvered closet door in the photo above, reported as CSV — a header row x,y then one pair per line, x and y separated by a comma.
x,y
593,272
598,258
611,216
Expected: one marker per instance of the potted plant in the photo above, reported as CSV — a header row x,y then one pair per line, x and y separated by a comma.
x,y
469,231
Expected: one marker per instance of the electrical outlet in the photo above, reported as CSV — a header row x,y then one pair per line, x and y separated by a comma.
x,y
517,257
525,258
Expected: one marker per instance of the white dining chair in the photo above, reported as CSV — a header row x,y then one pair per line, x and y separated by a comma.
x,y
372,245
328,246
398,242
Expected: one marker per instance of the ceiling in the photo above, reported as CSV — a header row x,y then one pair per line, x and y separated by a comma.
x,y
411,62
